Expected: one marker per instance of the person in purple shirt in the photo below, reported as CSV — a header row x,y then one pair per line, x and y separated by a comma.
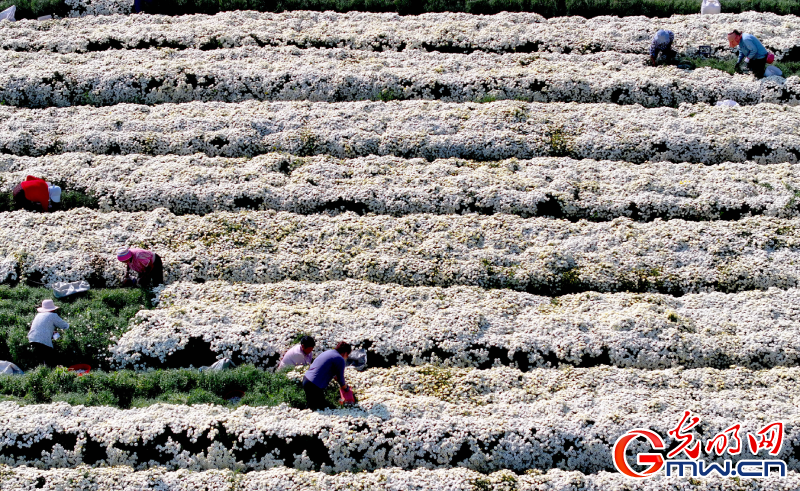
x,y
327,366
662,44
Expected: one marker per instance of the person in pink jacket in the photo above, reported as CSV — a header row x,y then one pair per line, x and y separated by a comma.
x,y
146,264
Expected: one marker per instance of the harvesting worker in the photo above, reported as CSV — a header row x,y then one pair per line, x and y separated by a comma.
x,y
751,52
662,44
35,194
41,334
299,354
147,265
329,365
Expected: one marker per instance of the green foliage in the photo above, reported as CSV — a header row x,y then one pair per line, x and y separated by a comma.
x,y
788,68
77,199
94,317
549,8
559,141
139,389
387,95
723,65
69,200
481,484
31,9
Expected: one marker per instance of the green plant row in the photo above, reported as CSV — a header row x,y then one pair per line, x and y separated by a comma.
x,y
548,8
125,389
788,68
69,201
94,318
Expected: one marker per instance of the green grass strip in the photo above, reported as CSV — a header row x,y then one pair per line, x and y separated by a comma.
x,y
788,68
125,389
548,8
69,200
94,318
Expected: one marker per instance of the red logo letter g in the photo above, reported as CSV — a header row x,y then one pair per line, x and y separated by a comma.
x,y
655,460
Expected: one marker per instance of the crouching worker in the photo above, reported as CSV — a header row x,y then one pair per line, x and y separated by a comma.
x,y
751,52
146,264
662,45
41,334
327,366
299,354
35,194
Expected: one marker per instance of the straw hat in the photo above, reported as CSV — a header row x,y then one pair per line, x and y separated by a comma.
x,y
47,306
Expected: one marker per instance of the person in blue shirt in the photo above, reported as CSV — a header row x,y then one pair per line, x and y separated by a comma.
x,y
751,52
327,366
661,44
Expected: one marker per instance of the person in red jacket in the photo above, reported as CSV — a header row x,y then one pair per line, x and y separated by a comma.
x,y
34,194
147,265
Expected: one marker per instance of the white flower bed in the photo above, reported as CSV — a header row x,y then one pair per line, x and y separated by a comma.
x,y
570,427
505,32
537,255
571,386
552,186
334,75
81,8
467,326
765,133
285,479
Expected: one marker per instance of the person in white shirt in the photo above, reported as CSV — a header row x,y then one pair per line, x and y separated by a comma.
x,y
41,333
299,354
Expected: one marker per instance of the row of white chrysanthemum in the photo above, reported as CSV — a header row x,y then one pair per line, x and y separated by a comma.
x,y
81,8
287,479
334,75
372,31
765,133
567,421
537,254
468,326
469,387
549,186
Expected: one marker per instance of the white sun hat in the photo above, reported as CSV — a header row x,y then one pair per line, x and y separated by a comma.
x,y
47,306
55,193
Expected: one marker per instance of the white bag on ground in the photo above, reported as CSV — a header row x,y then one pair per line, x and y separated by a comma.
x,y
773,71
727,103
223,364
710,7
8,14
61,290
357,359
8,368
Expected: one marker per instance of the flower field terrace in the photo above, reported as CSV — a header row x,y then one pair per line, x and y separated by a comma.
x,y
445,32
538,255
697,133
504,420
465,326
157,76
558,187
541,242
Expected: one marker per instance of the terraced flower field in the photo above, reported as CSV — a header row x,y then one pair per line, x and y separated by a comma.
x,y
541,242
